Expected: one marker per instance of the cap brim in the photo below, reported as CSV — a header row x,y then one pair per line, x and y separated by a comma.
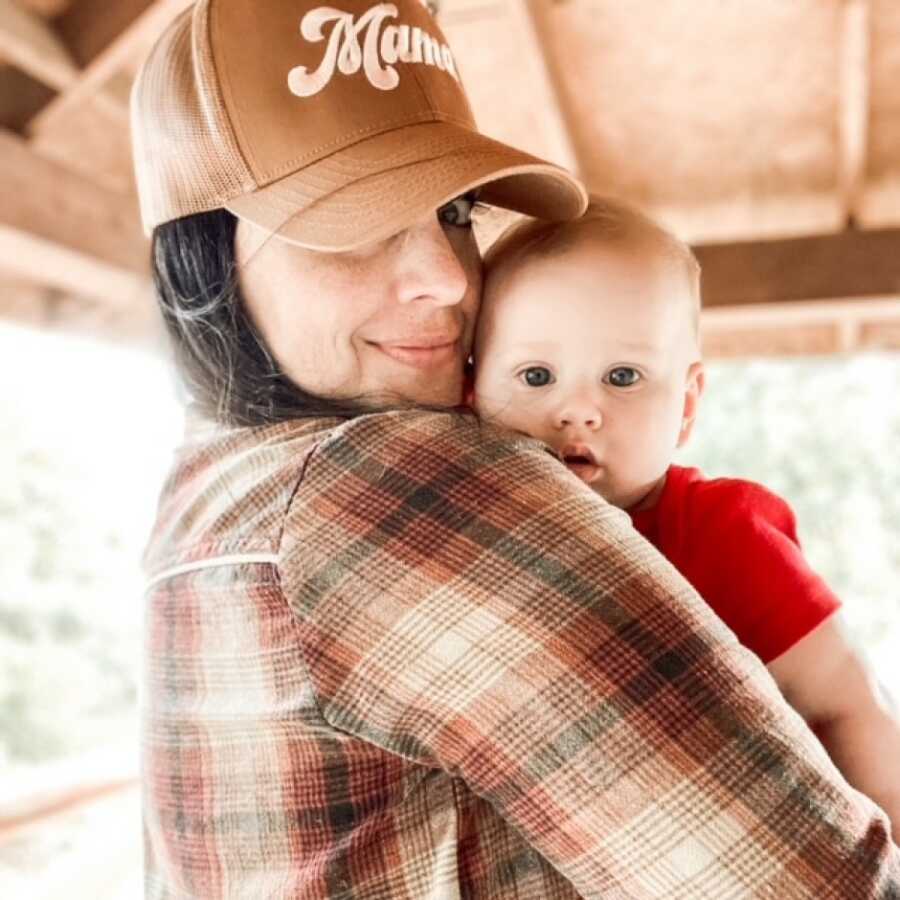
x,y
381,185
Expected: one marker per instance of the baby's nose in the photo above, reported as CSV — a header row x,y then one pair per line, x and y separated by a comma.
x,y
579,415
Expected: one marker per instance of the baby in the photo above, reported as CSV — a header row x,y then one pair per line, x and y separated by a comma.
x,y
589,340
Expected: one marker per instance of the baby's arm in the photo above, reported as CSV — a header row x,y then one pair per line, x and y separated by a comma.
x,y
828,684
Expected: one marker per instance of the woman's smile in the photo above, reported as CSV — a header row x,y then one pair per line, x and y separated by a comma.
x,y
422,353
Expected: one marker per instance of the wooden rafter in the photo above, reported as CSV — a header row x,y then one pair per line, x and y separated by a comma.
x,y
47,8
802,328
28,42
92,138
42,809
120,53
59,229
520,19
21,97
820,295
88,27
847,265
853,124
546,94
55,788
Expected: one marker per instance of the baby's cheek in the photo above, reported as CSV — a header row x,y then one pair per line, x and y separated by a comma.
x,y
661,429
524,419
499,409
481,405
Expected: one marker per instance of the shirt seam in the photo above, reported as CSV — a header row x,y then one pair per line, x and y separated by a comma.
x,y
210,562
301,650
314,693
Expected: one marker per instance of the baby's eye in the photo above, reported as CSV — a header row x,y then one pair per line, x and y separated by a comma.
x,y
459,210
623,376
536,376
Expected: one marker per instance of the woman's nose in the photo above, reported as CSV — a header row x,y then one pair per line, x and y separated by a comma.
x,y
429,268
579,412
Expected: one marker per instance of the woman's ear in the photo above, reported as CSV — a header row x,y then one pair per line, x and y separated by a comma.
x,y
695,381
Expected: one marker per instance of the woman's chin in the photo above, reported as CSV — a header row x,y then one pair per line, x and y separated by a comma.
x,y
439,388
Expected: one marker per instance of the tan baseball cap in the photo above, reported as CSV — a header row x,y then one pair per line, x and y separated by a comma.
x,y
331,125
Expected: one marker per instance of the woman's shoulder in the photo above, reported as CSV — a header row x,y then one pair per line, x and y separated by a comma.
x,y
422,457
456,433
229,488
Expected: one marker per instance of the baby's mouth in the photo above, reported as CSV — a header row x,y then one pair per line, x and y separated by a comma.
x,y
580,459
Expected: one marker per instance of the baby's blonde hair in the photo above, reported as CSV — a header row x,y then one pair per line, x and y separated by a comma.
x,y
605,219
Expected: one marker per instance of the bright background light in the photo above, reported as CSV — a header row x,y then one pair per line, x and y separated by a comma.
x,y
88,432
823,433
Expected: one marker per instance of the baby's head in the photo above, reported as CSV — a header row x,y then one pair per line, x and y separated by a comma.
x,y
588,340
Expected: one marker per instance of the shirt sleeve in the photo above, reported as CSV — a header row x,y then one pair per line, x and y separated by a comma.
x,y
466,603
748,565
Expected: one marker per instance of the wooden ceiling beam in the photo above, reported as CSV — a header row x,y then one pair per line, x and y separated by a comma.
x,y
546,97
21,97
59,229
818,295
91,139
41,810
803,328
30,256
117,55
29,42
88,27
47,8
847,265
853,114
48,308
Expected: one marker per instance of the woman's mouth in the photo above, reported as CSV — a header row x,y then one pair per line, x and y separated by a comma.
x,y
423,355
580,459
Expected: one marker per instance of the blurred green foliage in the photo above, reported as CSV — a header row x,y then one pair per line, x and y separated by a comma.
x,y
825,435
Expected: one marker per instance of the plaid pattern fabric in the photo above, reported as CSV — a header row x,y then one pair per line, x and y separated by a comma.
x,y
409,656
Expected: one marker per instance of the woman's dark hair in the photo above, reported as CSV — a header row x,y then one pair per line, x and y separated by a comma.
x,y
222,358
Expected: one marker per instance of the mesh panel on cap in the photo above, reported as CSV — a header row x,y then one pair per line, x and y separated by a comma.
x,y
186,158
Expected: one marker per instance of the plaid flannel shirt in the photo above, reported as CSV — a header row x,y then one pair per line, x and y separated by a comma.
x,y
411,656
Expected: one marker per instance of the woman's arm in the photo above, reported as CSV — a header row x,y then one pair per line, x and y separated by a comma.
x,y
825,680
466,603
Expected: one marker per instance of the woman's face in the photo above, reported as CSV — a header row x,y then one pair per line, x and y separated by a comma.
x,y
391,321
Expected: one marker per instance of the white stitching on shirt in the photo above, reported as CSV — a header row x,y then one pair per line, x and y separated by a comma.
x,y
235,559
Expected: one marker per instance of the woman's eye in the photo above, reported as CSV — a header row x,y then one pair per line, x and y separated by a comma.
x,y
459,211
536,376
623,376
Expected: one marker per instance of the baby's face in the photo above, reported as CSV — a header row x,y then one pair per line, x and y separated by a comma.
x,y
592,351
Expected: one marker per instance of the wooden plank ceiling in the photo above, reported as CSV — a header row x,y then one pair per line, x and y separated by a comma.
x,y
767,134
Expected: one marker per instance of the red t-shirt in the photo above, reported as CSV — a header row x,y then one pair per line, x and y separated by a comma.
x,y
736,543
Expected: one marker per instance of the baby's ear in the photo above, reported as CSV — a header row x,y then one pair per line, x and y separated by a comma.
x,y
695,382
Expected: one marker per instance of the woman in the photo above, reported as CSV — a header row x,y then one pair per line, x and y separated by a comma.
x,y
393,653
